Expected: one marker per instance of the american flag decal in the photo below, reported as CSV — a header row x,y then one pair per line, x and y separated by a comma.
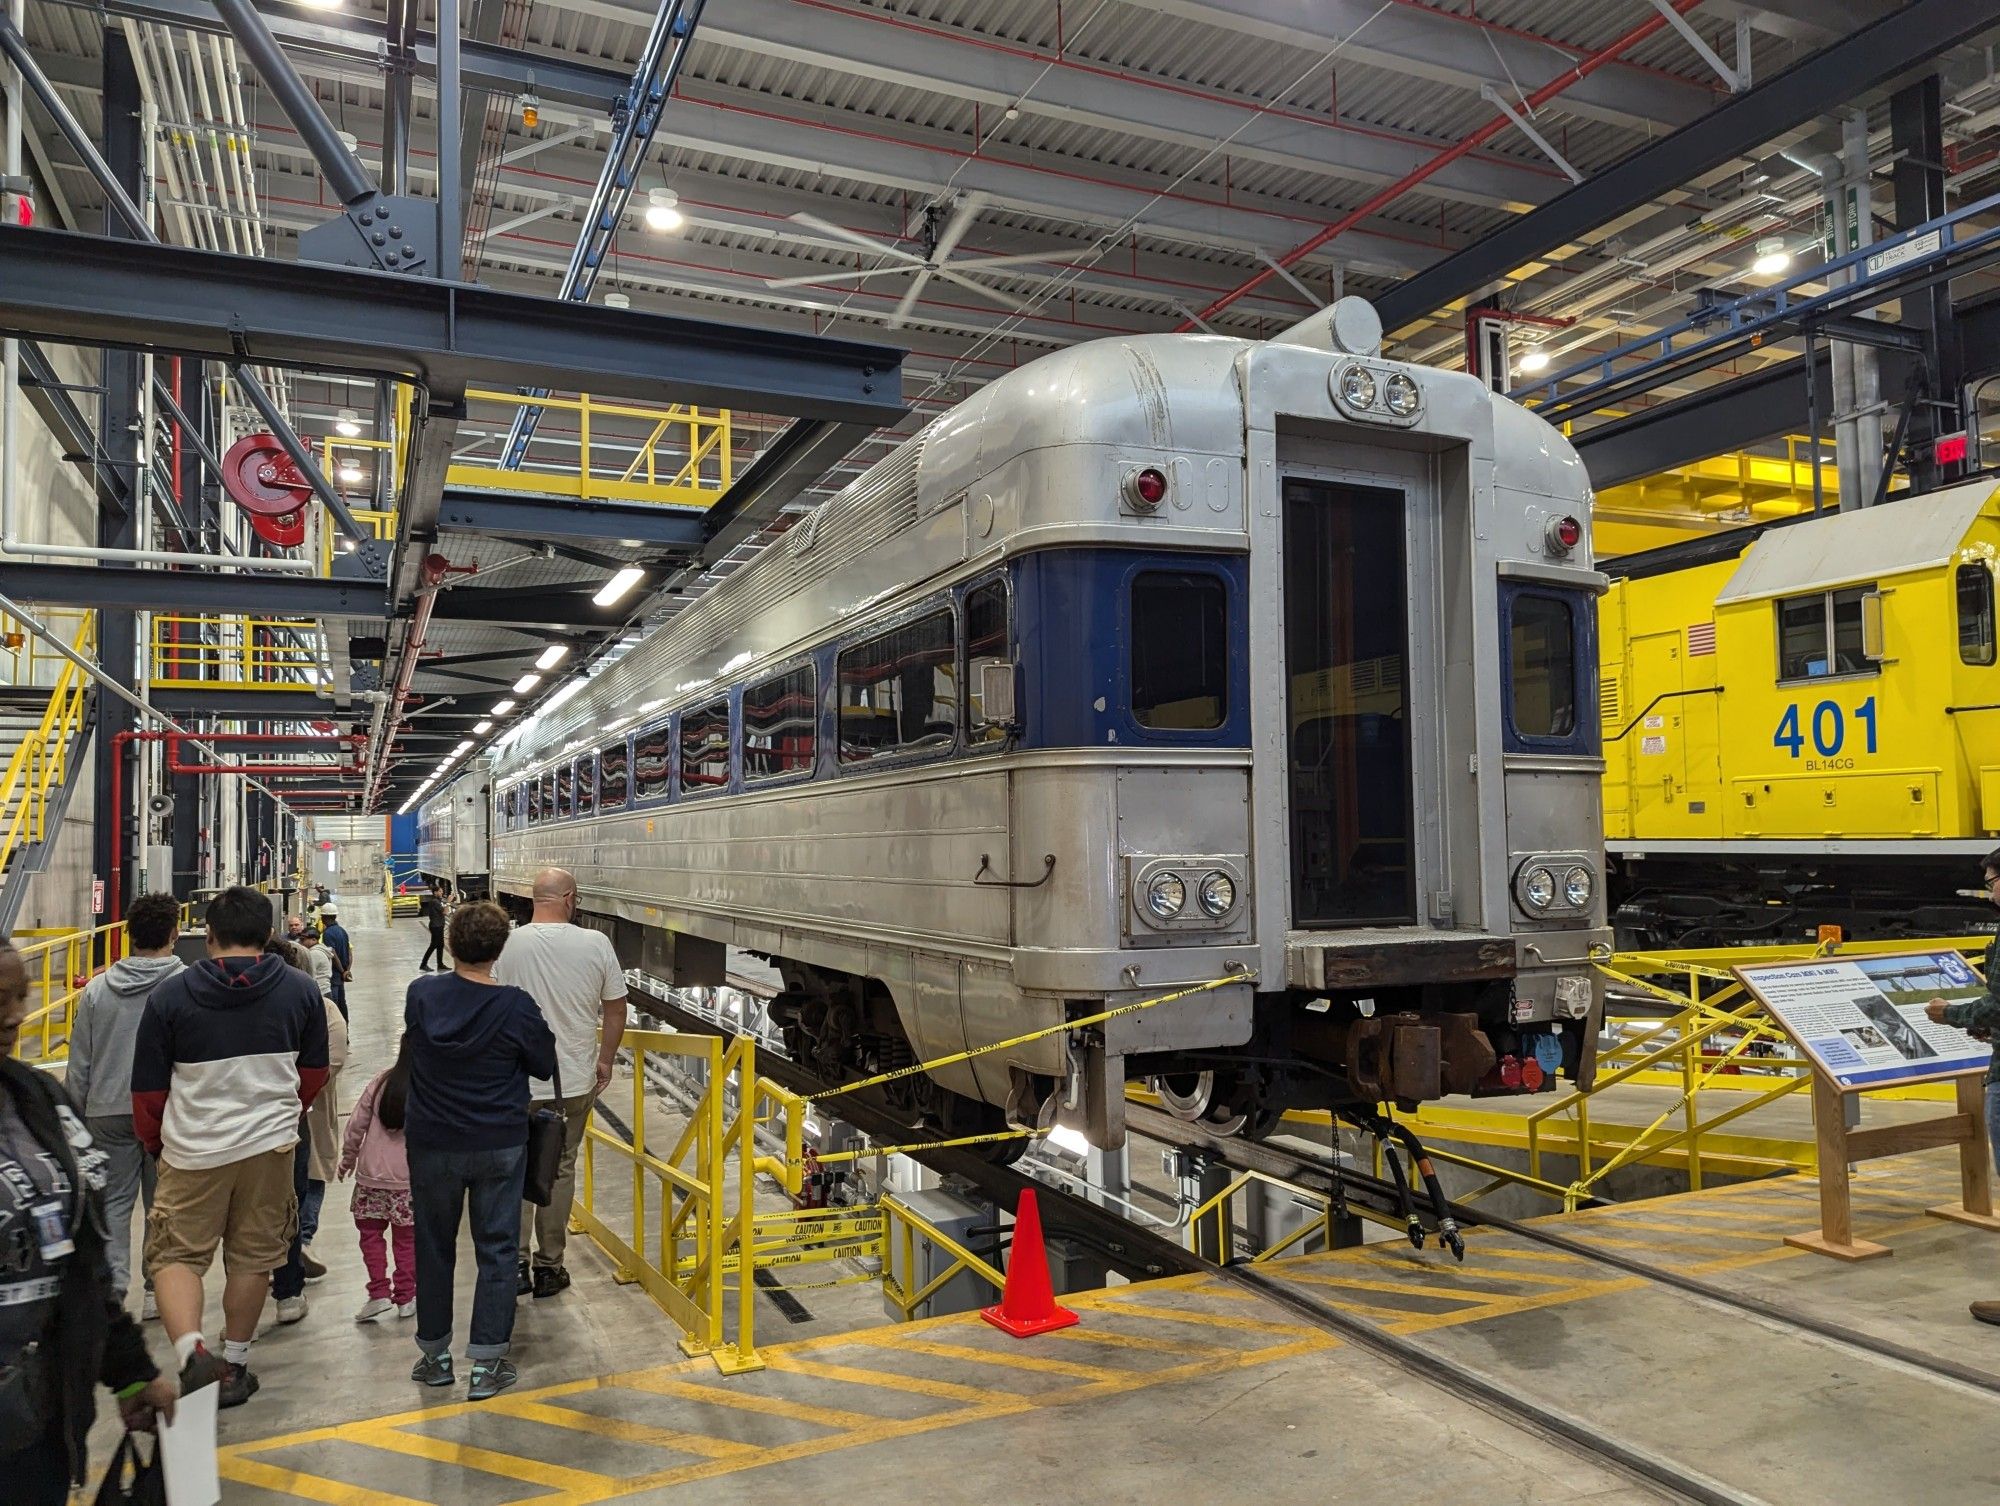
x,y
1701,639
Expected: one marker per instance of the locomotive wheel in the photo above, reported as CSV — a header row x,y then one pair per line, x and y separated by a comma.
x,y
261,479
1217,1101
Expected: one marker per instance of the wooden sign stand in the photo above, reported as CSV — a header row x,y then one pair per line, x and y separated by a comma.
x,y
1840,1147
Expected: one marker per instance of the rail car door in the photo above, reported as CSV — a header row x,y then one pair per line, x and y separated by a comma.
x,y
1350,780
1656,746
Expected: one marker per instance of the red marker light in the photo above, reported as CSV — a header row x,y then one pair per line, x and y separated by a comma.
x,y
1950,448
1564,534
1148,487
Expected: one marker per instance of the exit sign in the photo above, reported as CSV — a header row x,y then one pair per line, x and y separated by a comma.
x,y
1949,449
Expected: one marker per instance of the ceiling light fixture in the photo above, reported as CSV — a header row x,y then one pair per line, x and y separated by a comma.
x,y
1772,257
349,472
526,683
482,726
616,588
531,110
348,423
663,211
551,656
618,300
1534,359
501,708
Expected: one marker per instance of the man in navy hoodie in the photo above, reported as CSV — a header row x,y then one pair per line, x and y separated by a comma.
x,y
229,1053
473,1045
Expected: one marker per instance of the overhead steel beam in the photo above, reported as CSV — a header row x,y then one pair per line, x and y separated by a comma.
x,y
1844,71
531,608
791,463
243,705
445,336
130,588
468,510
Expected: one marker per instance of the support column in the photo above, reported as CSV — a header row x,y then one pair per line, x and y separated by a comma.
x,y
1857,372
1916,136
120,440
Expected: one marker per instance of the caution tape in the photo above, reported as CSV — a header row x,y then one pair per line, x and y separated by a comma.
x,y
911,1149
1021,1040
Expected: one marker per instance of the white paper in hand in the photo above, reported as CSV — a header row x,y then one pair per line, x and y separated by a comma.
x,y
187,1450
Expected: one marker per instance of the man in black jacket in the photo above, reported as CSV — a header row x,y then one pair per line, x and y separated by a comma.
x,y
62,1328
431,909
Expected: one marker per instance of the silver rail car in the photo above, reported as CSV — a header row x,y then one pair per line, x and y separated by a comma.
x,y
1160,660
453,833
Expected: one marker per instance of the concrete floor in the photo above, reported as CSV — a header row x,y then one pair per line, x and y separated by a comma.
x,y
1185,1388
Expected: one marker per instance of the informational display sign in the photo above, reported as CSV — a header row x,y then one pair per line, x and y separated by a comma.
x,y
1862,1020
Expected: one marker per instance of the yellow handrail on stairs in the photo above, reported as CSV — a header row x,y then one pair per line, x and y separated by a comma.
x,y
41,762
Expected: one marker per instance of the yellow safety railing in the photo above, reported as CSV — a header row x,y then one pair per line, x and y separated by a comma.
x,y
1717,1053
26,659
40,764
59,962
1211,1225
691,1215
900,1227
242,652
683,458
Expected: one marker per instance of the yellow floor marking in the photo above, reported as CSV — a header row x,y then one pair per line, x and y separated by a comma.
x,y
1476,1296
1530,1278
1415,1323
779,1359
1548,1257
1092,1334
290,1482
490,1461
350,1431
1199,1319
620,1428
1654,1247
1203,1280
748,1401
1010,1359
1707,1231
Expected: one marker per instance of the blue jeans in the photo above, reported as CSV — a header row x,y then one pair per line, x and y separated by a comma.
x,y
1993,1116
289,1279
445,1185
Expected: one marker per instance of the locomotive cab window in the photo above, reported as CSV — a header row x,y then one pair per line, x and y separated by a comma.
x,y
1974,585
1180,651
987,641
613,770
1821,635
705,748
652,766
1542,634
780,717
897,693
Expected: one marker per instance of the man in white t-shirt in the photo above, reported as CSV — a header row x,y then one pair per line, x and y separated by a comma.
x,y
573,975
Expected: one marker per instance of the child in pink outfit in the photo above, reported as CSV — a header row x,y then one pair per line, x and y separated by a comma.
x,y
373,1152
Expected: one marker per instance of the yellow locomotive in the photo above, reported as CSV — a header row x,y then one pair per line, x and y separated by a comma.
x,y
1802,726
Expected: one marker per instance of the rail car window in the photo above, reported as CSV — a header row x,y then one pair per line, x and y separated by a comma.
x,y
548,782
1974,583
986,642
586,784
614,769
1180,651
653,762
534,789
1543,633
565,792
1820,635
896,691
705,748
780,717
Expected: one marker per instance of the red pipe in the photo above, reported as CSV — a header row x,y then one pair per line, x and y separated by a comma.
x,y
1583,69
435,568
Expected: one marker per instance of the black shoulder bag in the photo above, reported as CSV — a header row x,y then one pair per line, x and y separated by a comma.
x,y
546,1130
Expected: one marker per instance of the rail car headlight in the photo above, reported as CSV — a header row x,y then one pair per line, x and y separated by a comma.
x,y
1166,896
1216,894
1578,886
1401,395
1537,888
1357,387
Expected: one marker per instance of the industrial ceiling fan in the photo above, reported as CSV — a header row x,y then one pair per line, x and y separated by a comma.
x,y
945,225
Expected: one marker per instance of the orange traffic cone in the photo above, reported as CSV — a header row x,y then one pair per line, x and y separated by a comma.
x,y
1028,1304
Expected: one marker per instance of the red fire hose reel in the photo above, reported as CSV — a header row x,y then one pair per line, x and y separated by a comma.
x,y
262,480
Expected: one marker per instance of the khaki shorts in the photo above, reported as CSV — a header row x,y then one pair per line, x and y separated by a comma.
x,y
248,1207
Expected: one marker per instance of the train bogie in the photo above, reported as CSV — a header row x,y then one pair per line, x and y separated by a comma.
x,y
1159,663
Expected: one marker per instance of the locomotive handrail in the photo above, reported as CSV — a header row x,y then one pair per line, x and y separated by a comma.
x,y
986,866
1665,695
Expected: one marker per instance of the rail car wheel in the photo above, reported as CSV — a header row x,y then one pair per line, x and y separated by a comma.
x,y
1224,1102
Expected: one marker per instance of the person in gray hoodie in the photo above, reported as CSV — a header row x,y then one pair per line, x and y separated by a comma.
x,y
99,1075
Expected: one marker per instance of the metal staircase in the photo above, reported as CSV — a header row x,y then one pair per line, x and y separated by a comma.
x,y
44,731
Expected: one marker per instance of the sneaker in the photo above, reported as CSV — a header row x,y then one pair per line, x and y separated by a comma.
x,y
550,1279
1986,1312
202,1369
148,1308
374,1310
291,1309
433,1370
238,1386
524,1281
491,1377
406,1310
313,1269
